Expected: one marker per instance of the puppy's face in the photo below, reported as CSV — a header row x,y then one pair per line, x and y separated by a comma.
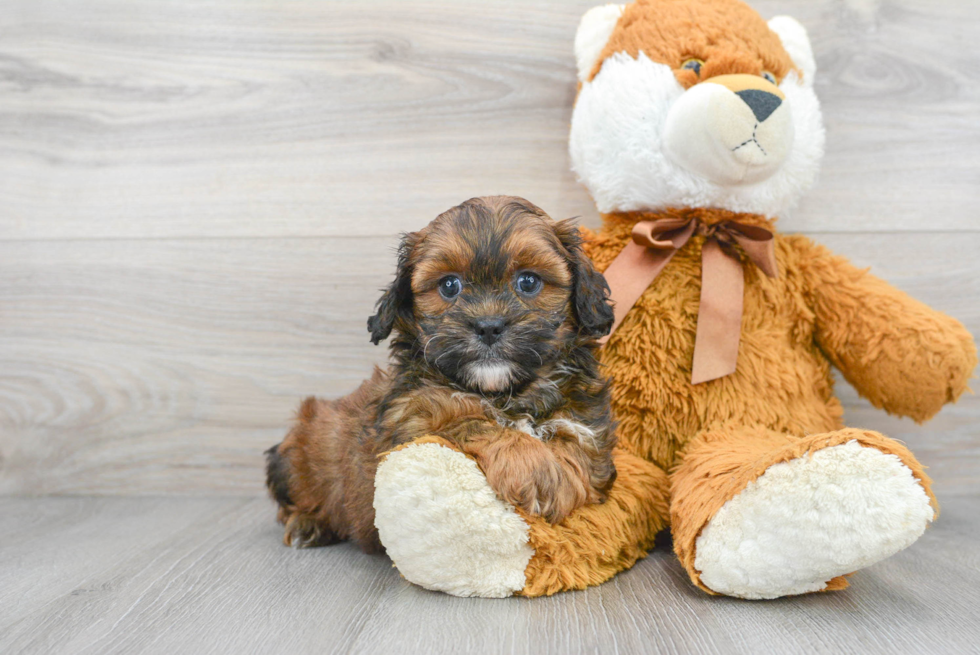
x,y
491,293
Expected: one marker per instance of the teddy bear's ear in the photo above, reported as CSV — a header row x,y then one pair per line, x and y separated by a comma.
x,y
594,30
797,45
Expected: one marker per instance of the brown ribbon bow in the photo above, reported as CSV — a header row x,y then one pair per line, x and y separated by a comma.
x,y
722,281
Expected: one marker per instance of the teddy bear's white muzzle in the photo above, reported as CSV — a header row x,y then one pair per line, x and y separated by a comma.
x,y
728,137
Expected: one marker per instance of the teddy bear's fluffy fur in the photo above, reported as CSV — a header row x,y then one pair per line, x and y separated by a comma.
x,y
746,431
765,490
717,437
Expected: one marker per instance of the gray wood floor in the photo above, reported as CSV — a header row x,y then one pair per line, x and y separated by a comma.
x,y
198,204
180,575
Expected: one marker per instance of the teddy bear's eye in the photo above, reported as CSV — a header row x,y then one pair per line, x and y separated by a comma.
x,y
769,76
693,65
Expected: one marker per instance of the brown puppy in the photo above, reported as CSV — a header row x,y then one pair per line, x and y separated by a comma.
x,y
495,312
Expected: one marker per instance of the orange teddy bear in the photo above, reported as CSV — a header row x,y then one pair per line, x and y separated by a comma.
x,y
695,126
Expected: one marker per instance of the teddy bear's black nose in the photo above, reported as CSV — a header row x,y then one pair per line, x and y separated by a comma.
x,y
762,103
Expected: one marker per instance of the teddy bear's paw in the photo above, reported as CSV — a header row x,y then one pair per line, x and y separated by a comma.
x,y
808,520
443,526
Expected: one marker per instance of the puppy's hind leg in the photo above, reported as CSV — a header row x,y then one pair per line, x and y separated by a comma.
x,y
303,530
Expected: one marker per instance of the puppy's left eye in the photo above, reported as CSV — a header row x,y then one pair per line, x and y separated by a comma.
x,y
769,76
450,286
528,284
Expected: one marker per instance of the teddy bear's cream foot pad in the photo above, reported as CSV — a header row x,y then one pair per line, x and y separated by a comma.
x,y
443,526
808,520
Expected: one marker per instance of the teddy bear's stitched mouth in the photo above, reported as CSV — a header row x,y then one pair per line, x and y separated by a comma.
x,y
751,139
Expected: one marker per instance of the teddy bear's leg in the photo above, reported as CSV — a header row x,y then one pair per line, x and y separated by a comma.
x,y
760,514
445,529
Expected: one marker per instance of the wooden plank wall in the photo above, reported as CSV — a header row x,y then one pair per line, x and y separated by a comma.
x,y
199,202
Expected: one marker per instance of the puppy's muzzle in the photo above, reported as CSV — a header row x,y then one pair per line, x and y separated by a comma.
x,y
490,329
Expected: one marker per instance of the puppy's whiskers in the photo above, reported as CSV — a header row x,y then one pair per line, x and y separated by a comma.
x,y
425,349
453,350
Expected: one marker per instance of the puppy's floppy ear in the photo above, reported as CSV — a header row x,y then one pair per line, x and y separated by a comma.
x,y
396,301
590,292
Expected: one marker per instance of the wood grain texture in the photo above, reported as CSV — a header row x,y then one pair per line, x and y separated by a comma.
x,y
200,202
157,367
166,367
123,575
267,118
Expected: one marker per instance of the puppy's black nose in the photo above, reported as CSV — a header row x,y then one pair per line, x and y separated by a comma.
x,y
489,329
762,103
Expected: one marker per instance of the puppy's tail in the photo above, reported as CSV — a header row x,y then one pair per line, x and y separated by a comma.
x,y
299,509
277,466
277,476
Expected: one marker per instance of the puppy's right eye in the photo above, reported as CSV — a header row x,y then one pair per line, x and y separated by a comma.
x,y
449,287
529,284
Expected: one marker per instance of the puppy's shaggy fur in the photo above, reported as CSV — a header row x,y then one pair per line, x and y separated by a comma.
x,y
495,312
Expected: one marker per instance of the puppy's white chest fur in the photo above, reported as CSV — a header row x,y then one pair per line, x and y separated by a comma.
x,y
490,376
548,429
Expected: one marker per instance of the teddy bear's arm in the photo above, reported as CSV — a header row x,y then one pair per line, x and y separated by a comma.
x,y
900,354
444,527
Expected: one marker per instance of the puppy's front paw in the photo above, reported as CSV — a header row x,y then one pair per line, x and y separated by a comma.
x,y
553,496
541,488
